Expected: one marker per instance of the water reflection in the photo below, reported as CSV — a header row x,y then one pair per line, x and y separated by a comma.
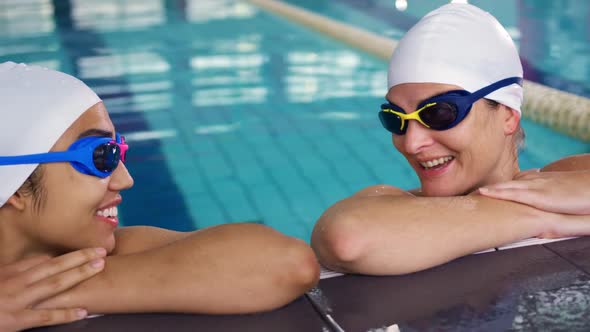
x,y
24,47
217,129
234,78
230,96
199,11
26,18
139,103
150,135
227,61
313,76
555,44
133,88
111,15
121,64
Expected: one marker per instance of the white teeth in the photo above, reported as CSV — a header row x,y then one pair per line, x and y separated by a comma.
x,y
436,162
108,212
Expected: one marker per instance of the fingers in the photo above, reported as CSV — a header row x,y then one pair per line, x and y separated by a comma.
x,y
33,318
527,174
21,266
524,196
61,264
58,283
521,195
499,193
509,185
38,278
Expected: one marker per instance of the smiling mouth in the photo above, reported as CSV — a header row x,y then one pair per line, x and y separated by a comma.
x,y
111,212
436,163
109,215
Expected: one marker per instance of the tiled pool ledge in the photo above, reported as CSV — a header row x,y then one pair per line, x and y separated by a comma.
x,y
537,287
540,287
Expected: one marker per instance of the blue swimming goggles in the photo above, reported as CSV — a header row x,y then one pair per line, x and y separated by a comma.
x,y
98,156
440,112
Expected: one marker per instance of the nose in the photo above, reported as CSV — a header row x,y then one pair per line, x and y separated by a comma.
x,y
120,179
416,139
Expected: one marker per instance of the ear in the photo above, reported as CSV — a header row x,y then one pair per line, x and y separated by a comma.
x,y
17,201
510,119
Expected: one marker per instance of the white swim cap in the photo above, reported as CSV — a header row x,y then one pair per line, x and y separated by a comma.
x,y
462,45
37,106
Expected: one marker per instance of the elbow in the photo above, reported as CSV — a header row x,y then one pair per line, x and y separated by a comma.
x,y
297,272
337,240
303,271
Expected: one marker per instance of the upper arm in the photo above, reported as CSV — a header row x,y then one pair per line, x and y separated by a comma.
x,y
135,239
580,162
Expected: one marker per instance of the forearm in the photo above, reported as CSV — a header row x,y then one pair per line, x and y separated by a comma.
x,y
234,268
400,234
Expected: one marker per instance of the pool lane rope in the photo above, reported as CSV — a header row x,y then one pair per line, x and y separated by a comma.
x,y
559,110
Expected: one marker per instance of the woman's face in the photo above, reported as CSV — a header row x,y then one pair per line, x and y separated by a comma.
x,y
476,152
69,216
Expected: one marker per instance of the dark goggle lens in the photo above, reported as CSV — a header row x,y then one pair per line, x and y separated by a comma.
x,y
440,116
391,122
106,157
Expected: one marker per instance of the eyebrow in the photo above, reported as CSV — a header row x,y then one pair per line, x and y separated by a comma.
x,y
96,132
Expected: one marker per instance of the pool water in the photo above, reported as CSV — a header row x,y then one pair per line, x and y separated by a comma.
x,y
552,36
232,114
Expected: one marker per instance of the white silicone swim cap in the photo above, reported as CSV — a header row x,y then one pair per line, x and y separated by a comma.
x,y
462,45
37,106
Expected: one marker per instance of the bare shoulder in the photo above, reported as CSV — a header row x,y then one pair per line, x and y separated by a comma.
x,y
382,190
580,162
135,239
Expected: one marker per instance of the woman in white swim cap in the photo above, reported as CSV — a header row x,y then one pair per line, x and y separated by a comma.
x,y
62,172
453,110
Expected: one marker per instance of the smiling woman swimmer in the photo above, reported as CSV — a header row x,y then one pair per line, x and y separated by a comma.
x,y
62,170
453,110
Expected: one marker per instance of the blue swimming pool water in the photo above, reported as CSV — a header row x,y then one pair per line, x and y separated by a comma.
x,y
552,36
232,114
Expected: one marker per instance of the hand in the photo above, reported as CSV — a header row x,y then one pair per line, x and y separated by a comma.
x,y
25,283
559,192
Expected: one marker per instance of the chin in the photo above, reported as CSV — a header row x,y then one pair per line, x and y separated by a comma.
x,y
110,244
440,190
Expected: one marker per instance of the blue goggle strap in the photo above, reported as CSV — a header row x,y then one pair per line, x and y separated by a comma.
x,y
80,154
493,87
40,158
